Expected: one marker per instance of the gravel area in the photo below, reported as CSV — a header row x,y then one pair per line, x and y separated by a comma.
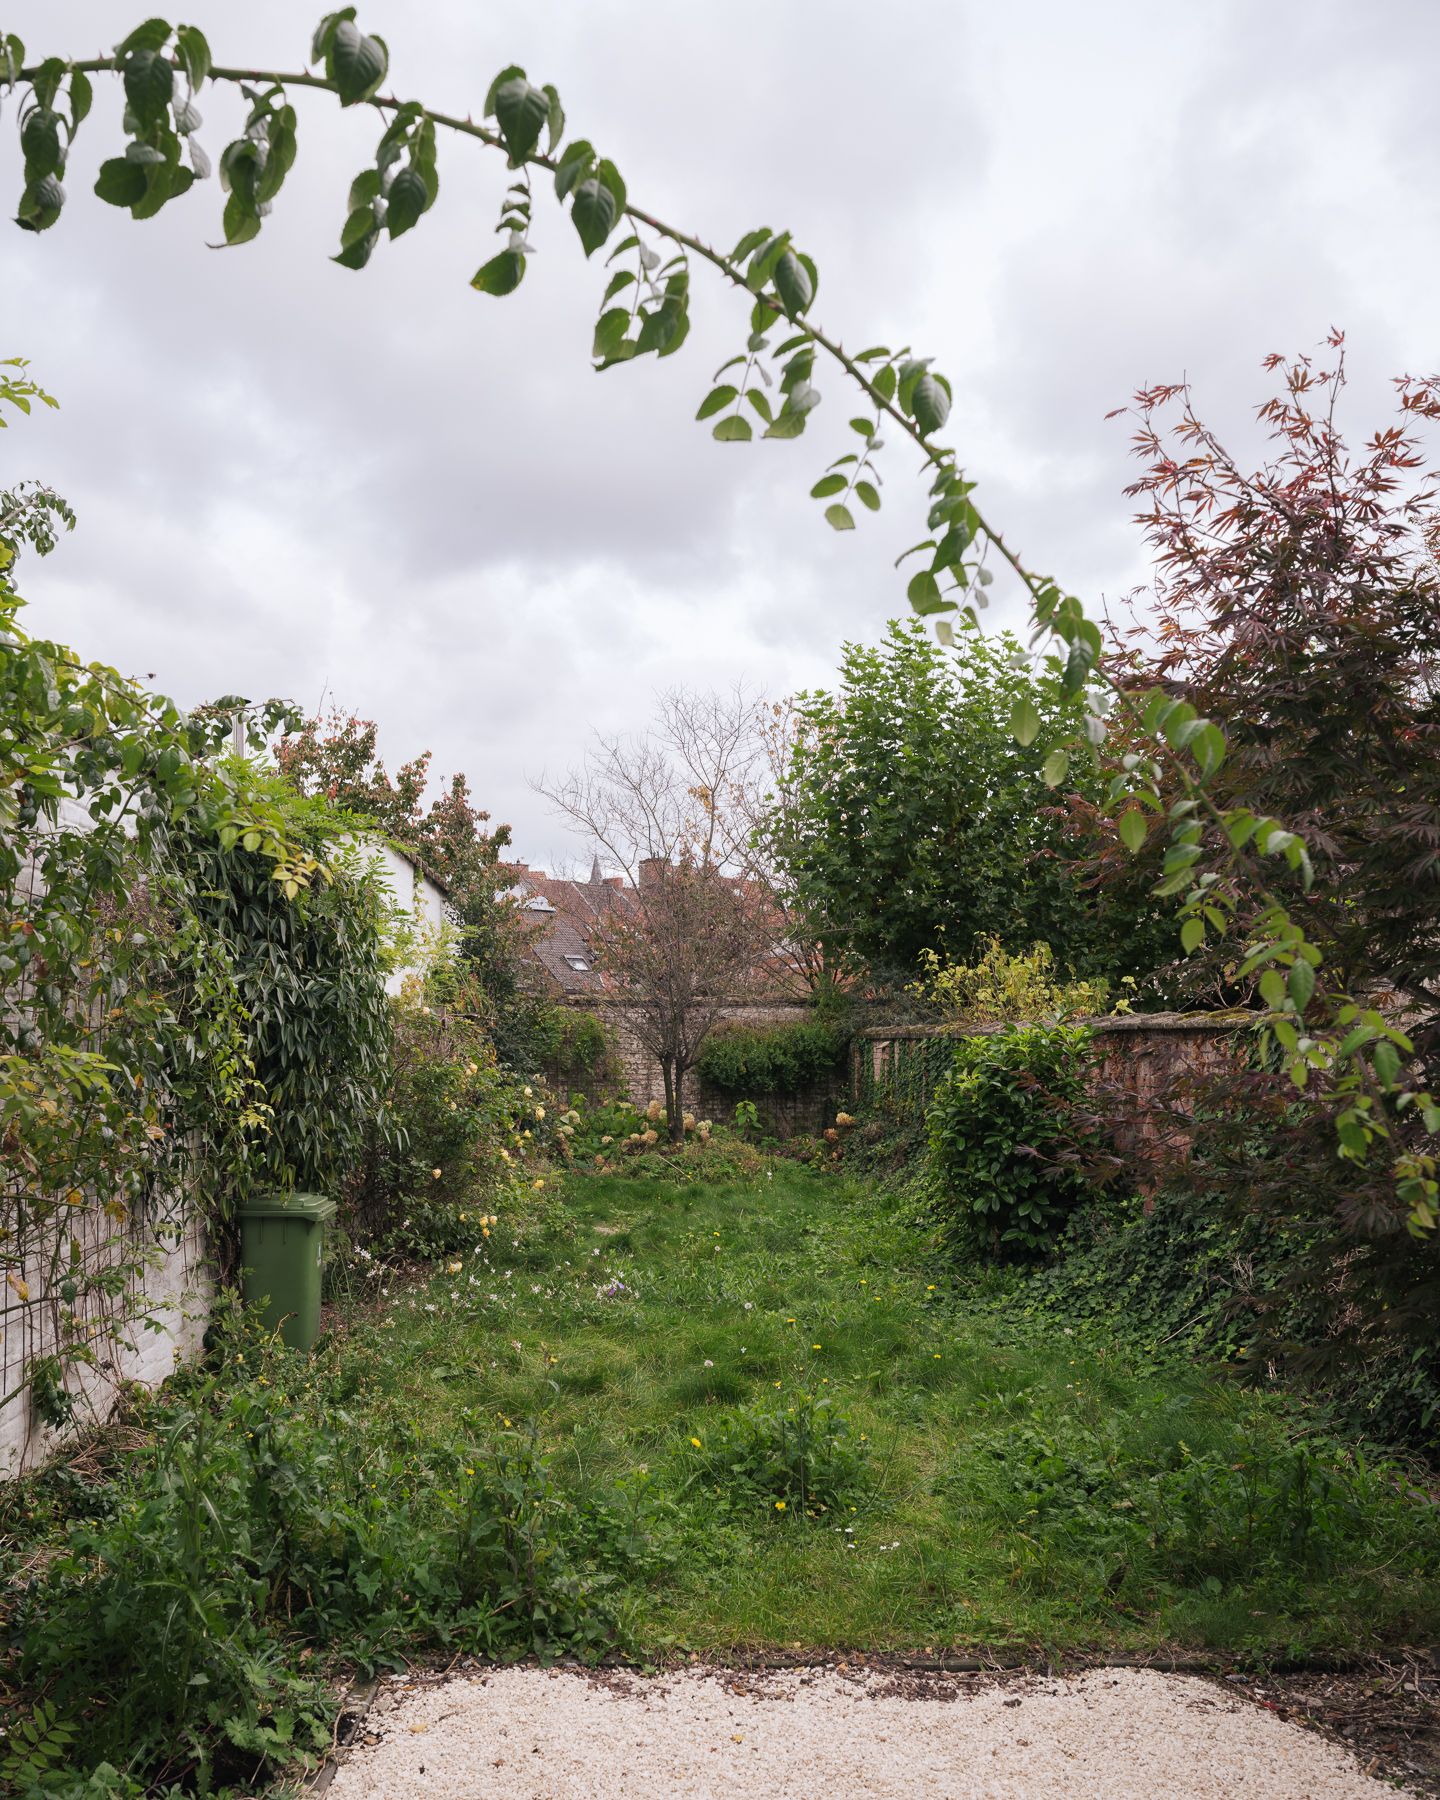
x,y
834,1734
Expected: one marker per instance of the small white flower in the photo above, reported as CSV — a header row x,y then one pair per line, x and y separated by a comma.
x,y
708,1363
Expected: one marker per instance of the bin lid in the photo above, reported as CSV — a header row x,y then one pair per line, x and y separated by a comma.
x,y
276,1204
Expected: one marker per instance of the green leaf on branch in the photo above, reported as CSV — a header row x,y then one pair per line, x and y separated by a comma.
x,y
241,222
1134,829
154,34
355,63
40,143
716,400
82,97
1385,1059
522,112
594,213
1192,935
501,275
195,56
554,116
794,278
923,593
149,85
1025,721
868,495
734,430
408,198
930,403
1056,768
1301,984
574,165
40,204
120,181
839,517
826,486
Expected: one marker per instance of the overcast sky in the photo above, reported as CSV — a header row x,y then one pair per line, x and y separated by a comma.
x,y
420,502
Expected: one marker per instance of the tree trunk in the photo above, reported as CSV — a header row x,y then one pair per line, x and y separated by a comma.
x,y
674,1082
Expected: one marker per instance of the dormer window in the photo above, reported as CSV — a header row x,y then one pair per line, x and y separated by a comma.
x,y
579,964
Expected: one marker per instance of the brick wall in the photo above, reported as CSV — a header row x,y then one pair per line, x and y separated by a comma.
x,y
1138,1057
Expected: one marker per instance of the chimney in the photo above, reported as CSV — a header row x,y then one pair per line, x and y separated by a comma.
x,y
616,881
651,869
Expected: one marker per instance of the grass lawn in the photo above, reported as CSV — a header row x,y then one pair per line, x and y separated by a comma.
x,y
685,1352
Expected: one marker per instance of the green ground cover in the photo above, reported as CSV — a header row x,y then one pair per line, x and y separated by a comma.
x,y
660,1416
828,1442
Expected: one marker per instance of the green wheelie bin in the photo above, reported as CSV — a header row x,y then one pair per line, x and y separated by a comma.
x,y
282,1239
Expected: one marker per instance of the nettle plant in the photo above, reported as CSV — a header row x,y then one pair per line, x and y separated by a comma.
x,y
1214,848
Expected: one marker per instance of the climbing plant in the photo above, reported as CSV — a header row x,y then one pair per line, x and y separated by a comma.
x,y
770,384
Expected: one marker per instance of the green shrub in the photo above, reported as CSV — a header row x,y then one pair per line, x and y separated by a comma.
x,y
996,1121
798,1460
266,1523
573,1045
784,1059
445,1153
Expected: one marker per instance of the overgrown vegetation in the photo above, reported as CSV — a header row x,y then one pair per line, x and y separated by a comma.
x,y
752,1408
995,1124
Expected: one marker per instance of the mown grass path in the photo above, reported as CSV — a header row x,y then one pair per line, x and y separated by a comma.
x,y
1004,1482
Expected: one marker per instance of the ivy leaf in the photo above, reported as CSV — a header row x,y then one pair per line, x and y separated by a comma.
x,y
1057,767
930,402
355,63
733,430
839,517
594,213
149,83
120,181
1024,721
501,275
522,112
1134,829
408,197
793,284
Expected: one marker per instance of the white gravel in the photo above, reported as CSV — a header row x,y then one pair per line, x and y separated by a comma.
x,y
828,1734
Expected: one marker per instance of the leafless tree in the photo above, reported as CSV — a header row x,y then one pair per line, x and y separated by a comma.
x,y
699,926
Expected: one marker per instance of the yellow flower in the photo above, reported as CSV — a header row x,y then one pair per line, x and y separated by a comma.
x,y
435,1173
540,1181
539,1112
931,1288
695,1442
817,1346
777,1384
779,1506
453,1268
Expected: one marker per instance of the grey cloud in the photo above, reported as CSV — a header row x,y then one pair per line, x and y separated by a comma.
x,y
291,478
